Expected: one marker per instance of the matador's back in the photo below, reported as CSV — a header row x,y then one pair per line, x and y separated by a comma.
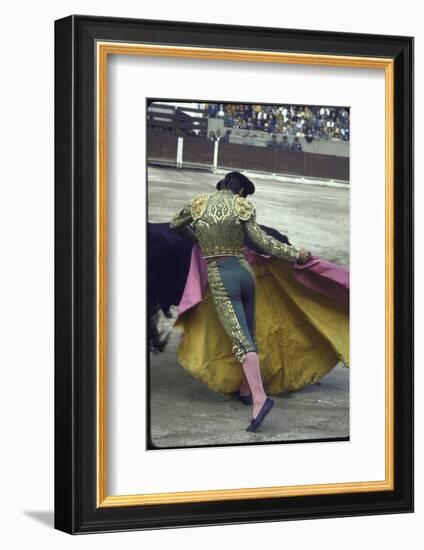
x,y
217,223
220,221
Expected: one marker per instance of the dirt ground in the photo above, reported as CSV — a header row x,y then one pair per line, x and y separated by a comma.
x,y
313,216
184,412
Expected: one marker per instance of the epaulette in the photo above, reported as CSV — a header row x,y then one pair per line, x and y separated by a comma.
x,y
244,208
198,206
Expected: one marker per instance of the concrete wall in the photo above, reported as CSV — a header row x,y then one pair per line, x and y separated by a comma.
x,y
322,146
245,137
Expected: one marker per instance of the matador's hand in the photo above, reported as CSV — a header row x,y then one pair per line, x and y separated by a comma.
x,y
304,256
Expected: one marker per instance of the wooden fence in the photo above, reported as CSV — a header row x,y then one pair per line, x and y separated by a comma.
x,y
177,121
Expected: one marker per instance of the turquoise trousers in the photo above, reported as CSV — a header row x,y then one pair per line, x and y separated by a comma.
x,y
232,283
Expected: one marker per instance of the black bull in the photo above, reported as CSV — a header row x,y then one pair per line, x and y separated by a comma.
x,y
168,263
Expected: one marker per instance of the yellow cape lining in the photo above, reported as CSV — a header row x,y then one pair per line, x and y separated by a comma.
x,y
301,335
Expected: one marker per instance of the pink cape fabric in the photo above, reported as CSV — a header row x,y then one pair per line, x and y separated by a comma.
x,y
321,276
324,277
196,282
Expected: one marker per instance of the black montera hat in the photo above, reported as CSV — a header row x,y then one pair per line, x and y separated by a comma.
x,y
243,180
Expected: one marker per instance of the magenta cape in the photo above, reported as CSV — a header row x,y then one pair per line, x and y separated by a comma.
x,y
318,275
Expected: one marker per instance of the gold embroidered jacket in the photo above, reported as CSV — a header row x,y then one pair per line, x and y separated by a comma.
x,y
220,221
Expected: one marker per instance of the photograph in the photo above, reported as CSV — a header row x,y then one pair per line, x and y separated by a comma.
x,y
247,273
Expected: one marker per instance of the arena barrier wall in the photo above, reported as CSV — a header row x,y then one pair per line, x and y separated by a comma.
x,y
198,152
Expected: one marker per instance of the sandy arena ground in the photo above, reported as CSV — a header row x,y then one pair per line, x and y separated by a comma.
x,y
184,412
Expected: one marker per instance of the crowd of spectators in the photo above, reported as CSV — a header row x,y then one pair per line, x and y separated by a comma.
x,y
289,120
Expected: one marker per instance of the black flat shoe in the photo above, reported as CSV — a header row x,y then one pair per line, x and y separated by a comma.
x,y
245,399
256,422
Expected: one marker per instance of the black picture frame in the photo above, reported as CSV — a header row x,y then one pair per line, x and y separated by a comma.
x,y
76,509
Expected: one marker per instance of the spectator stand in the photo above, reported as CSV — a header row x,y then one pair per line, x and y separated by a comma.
x,y
200,138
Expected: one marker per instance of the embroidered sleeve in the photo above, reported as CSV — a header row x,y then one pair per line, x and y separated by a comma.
x,y
180,223
267,243
183,218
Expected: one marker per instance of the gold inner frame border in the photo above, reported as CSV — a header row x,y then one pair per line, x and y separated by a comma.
x,y
103,50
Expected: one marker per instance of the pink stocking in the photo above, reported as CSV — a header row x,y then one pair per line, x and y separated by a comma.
x,y
244,387
253,374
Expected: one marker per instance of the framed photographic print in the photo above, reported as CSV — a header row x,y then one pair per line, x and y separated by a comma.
x,y
233,272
